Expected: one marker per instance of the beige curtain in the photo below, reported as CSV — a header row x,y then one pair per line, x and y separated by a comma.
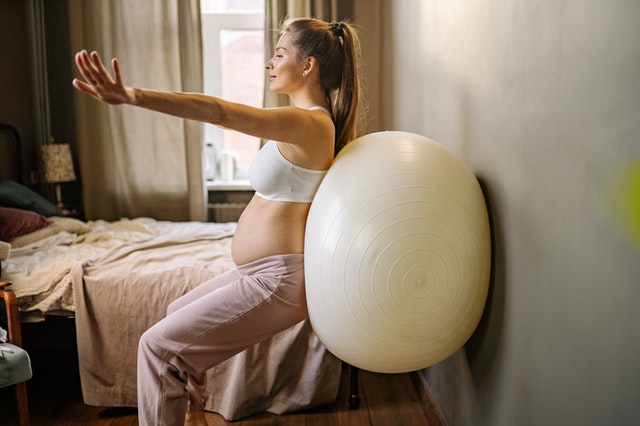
x,y
278,10
135,162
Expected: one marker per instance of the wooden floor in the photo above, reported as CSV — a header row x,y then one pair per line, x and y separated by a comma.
x,y
55,399
385,400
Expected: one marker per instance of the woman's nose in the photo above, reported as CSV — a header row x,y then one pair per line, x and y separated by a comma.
x,y
268,65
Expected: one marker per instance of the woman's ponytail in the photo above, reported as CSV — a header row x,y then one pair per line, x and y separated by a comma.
x,y
345,99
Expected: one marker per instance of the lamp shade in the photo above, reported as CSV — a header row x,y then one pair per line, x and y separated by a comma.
x,y
57,164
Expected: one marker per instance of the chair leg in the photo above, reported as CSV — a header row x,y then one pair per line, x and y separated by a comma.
x,y
15,337
22,404
354,398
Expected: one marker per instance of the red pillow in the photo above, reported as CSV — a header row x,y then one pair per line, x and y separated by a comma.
x,y
17,222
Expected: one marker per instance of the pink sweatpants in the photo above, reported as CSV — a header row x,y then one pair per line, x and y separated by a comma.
x,y
210,324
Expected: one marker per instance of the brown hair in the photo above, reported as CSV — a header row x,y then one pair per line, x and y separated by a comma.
x,y
336,47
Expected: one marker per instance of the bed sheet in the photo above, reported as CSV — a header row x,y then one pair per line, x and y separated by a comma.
x,y
41,270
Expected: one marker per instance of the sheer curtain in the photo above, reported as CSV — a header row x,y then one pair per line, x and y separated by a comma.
x,y
135,162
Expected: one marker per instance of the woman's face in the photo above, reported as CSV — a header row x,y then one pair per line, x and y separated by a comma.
x,y
285,69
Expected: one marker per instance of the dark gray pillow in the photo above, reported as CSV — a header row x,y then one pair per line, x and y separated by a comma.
x,y
12,194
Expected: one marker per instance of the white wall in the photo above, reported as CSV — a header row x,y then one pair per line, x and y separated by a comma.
x,y
542,99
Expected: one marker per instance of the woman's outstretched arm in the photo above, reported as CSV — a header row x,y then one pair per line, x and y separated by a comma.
x,y
286,124
99,83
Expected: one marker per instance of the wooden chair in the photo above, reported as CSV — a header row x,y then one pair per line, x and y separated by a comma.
x,y
21,371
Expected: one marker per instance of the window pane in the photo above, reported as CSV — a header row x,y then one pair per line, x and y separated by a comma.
x,y
233,60
242,78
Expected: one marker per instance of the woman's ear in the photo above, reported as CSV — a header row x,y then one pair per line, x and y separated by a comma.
x,y
310,65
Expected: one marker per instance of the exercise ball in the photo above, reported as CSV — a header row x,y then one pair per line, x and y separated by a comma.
x,y
397,253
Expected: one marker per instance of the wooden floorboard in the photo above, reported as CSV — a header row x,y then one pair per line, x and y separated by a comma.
x,y
386,400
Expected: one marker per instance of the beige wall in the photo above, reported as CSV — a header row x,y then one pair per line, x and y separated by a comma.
x,y
542,99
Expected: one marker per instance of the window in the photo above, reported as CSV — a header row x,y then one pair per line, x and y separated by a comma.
x,y
233,60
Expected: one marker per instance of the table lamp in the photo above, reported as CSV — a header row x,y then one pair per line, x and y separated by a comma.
x,y
57,167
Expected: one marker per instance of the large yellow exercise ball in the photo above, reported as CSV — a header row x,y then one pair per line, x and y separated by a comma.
x,y
397,253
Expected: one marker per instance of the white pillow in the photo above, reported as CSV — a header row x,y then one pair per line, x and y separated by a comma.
x,y
5,250
68,224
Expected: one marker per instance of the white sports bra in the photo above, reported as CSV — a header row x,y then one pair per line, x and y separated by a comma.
x,y
275,178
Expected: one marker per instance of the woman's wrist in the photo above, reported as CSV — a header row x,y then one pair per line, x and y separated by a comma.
x,y
136,96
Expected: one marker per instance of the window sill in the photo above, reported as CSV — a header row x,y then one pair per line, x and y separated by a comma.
x,y
229,185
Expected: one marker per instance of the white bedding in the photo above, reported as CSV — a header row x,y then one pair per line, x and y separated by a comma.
x,y
41,270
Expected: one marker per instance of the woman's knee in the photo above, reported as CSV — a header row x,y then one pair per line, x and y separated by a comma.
x,y
153,342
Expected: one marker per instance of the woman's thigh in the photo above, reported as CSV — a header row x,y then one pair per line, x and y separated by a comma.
x,y
203,289
230,318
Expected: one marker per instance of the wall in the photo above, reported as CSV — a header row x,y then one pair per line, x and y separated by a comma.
x,y
542,99
19,102
17,97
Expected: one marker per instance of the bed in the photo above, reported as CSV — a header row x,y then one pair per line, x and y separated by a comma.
x,y
117,278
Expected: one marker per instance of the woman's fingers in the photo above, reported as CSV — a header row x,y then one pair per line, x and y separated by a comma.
x,y
116,72
98,82
92,69
84,68
84,87
100,68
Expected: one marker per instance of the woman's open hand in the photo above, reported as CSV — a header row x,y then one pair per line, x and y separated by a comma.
x,y
99,83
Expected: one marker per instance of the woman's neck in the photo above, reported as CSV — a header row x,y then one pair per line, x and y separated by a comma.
x,y
309,96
